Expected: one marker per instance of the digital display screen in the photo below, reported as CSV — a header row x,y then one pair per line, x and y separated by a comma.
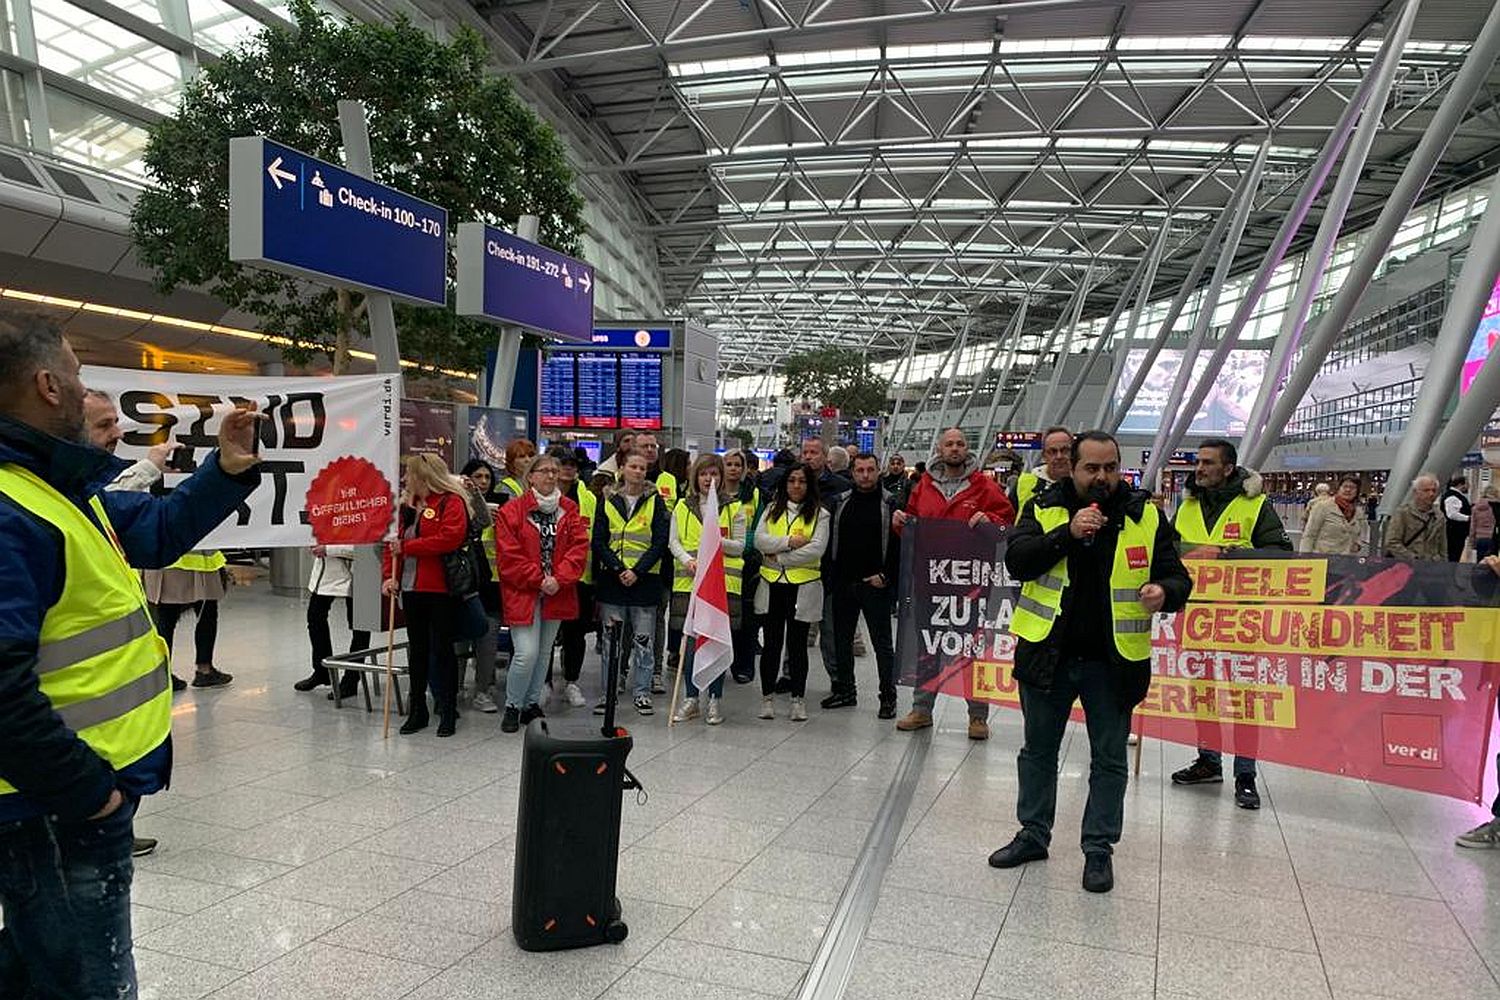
x,y
559,389
598,390
1485,336
640,391
1227,407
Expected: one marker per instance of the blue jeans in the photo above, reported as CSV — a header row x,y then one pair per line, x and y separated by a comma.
x,y
1045,717
65,890
1244,767
640,634
715,687
532,644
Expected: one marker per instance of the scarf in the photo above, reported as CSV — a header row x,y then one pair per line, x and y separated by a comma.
x,y
1346,507
547,503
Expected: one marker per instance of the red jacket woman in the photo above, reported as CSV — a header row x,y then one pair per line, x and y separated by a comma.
x,y
442,524
518,551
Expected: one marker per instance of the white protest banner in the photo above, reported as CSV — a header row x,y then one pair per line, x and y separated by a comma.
x,y
343,429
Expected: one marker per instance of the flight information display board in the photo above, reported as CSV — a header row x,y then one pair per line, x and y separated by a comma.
x,y
640,391
559,391
598,396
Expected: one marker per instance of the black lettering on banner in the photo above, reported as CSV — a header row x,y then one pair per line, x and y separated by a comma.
x,y
133,405
197,436
313,427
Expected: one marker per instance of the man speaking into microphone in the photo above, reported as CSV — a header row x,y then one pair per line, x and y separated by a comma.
x,y
1097,560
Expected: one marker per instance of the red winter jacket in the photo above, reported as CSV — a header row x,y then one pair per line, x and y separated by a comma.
x,y
518,551
983,495
442,522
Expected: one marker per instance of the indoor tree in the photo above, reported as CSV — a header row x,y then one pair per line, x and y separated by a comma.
x,y
440,129
836,376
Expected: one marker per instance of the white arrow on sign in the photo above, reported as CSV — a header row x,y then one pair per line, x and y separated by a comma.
x,y
277,174
585,280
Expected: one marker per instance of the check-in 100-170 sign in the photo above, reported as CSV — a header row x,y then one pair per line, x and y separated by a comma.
x,y
301,215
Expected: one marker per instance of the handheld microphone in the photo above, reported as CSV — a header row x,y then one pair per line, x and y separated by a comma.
x,y
1089,538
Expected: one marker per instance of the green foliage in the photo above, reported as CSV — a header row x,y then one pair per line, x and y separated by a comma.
x,y
745,438
439,129
837,376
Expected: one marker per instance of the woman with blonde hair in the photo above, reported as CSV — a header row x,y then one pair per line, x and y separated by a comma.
x,y
687,528
434,521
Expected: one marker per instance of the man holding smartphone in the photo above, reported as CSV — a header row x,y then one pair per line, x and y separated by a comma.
x,y
85,697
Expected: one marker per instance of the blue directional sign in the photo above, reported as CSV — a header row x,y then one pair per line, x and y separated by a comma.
x,y
633,338
505,279
295,213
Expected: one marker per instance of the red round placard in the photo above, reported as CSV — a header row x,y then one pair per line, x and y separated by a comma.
x,y
349,503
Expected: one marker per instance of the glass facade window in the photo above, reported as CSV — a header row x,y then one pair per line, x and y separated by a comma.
x,y
15,125
91,135
104,55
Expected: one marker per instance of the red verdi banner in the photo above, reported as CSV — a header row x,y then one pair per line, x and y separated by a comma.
x,y
1373,668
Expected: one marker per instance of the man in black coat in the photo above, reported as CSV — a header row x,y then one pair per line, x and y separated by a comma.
x,y
1069,644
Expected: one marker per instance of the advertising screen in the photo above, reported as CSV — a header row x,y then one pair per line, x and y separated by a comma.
x,y
559,388
1224,411
1485,336
598,391
640,391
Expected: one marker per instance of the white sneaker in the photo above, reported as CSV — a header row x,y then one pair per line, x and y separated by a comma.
x,y
715,714
657,687
1132,740
1485,836
599,709
643,706
483,702
687,711
767,708
799,710
574,696
859,646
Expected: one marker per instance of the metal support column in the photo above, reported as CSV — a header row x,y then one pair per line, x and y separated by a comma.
x,y
1142,302
958,357
1189,285
508,350
911,354
1475,410
1062,348
1015,329
1468,81
1471,293
1315,261
983,375
1383,67
1059,416
911,425
354,132
1164,441
1042,352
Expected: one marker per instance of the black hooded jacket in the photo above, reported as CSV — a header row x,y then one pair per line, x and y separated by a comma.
x,y
1084,626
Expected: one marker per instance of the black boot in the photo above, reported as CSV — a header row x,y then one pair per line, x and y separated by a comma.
x,y
447,724
349,684
416,719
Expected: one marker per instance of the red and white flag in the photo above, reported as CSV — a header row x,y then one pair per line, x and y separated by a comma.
x,y
708,607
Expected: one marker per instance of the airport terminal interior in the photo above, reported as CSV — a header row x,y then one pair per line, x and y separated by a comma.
x,y
1249,241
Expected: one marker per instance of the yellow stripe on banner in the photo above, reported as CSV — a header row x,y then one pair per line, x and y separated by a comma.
x,y
1269,706
1288,581
1453,633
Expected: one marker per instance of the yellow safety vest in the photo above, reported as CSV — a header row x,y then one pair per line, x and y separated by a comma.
x,y
99,660
689,530
1041,599
1235,529
630,539
788,574
1028,485
201,562
512,485
588,507
666,486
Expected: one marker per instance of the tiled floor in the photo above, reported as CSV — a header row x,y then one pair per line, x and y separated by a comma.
x,y
303,857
